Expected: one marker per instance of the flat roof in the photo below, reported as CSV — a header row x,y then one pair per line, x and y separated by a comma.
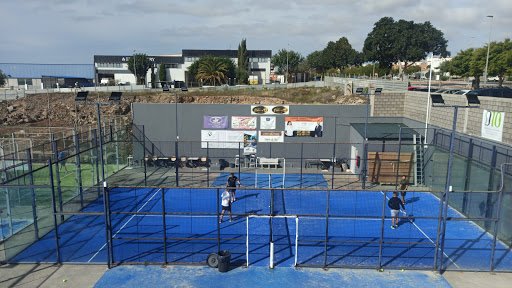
x,y
36,71
384,131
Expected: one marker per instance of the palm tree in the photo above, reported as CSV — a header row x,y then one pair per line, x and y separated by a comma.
x,y
212,70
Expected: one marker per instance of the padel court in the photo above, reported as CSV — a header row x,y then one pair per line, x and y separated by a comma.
x,y
274,224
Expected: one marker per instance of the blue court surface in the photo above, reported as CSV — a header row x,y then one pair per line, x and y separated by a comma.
x,y
354,229
186,276
8,227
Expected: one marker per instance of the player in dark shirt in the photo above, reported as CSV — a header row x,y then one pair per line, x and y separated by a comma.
x,y
394,203
404,184
232,183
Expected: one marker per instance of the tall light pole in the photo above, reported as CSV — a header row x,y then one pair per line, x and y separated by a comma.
x,y
134,68
287,63
488,48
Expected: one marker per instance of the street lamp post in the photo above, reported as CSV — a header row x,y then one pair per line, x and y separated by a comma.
x,y
134,68
287,63
488,48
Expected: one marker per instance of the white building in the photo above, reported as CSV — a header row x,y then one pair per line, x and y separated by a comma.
x,y
115,68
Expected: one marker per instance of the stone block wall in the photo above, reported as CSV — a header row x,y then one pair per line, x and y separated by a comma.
x,y
413,105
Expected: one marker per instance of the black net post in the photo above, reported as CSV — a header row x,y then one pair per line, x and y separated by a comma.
x,y
164,226
54,210
326,229
32,192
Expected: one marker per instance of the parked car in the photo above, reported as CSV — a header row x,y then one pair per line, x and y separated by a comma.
x,y
451,91
462,92
493,79
492,92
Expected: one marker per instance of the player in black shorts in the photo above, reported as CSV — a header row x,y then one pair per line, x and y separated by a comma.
x,y
404,184
232,183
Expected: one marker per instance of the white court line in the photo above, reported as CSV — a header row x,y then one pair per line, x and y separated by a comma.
x,y
124,225
425,235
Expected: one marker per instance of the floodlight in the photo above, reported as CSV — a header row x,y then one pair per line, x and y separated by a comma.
x,y
184,88
165,88
437,99
378,91
359,91
472,99
81,96
115,96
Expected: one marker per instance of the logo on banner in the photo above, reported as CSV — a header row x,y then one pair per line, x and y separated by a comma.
x,y
280,110
218,122
260,110
492,125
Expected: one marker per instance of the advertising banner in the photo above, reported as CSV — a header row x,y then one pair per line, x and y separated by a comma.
x,y
304,126
227,139
244,122
271,136
492,125
215,122
267,122
270,109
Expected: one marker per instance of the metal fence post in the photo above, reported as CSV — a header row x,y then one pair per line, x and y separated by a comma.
x,y
207,164
218,221
107,224
398,161
79,167
32,192
495,232
96,158
165,226
144,156
326,228
467,180
54,210
381,241
301,158
57,172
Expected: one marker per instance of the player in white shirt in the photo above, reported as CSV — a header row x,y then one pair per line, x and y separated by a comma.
x,y
226,205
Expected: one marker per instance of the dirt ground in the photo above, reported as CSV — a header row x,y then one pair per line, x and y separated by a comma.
x,y
59,109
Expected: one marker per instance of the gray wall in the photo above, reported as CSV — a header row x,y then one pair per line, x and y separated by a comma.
x,y
159,123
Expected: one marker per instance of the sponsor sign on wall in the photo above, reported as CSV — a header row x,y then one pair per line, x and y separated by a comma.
x,y
244,122
492,125
267,122
215,122
304,126
227,139
271,136
270,109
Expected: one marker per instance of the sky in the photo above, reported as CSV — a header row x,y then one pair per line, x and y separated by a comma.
x,y
73,31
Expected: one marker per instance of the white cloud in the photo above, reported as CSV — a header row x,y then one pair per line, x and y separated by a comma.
x,y
72,31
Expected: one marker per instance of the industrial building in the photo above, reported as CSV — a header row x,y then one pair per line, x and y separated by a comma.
x,y
110,68
42,76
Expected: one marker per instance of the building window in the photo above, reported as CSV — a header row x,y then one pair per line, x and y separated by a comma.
x,y
22,81
258,60
111,65
171,65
